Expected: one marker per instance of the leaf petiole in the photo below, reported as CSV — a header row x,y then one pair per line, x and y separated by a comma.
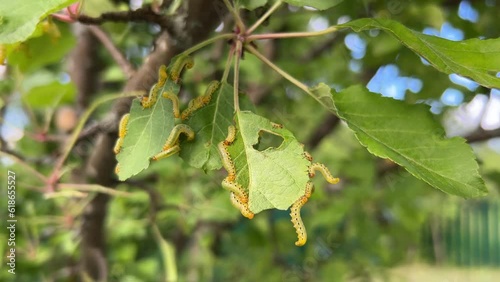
x,y
264,17
207,42
291,34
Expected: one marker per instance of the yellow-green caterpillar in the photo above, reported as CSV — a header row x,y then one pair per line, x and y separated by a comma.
x,y
122,131
324,170
237,203
295,215
181,63
150,100
201,101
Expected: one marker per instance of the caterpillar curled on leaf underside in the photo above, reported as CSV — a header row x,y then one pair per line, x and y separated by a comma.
x,y
122,131
200,101
242,207
297,219
179,65
151,99
324,170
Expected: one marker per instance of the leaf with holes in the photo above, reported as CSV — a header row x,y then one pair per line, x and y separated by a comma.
x,y
408,135
274,177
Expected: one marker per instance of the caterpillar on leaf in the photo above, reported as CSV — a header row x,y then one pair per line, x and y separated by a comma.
x,y
237,203
295,215
324,170
150,100
181,63
201,101
122,131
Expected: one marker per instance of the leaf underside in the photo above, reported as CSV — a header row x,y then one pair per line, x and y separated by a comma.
x,y
147,131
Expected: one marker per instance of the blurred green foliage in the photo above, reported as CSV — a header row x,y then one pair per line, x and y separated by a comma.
x,y
357,230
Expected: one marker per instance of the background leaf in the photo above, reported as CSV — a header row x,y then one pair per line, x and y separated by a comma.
x,y
408,135
474,58
18,19
318,4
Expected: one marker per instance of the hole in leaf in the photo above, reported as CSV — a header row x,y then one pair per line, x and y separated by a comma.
x,y
268,140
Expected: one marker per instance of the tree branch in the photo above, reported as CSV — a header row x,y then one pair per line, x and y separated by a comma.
x,y
145,14
117,55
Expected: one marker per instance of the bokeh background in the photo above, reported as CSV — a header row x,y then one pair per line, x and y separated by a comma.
x,y
378,224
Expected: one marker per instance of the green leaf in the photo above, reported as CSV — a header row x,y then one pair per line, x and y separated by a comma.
x,y
473,58
40,51
18,19
147,131
409,136
318,4
274,177
210,125
50,95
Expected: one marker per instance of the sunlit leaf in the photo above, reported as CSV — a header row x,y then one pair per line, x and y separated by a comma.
x,y
18,19
274,177
409,136
478,59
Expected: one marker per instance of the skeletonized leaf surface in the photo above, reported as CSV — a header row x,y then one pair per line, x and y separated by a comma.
x,y
147,131
274,177
210,125
408,135
18,19
318,4
474,58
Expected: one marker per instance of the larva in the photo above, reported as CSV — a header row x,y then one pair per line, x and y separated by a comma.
x,y
231,135
308,156
227,161
122,131
201,101
162,76
173,138
236,189
324,170
295,215
175,102
277,125
181,63
166,153
237,203
117,169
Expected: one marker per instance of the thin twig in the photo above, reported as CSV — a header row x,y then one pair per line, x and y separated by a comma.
x,y
237,75
264,17
25,165
236,15
291,34
117,55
